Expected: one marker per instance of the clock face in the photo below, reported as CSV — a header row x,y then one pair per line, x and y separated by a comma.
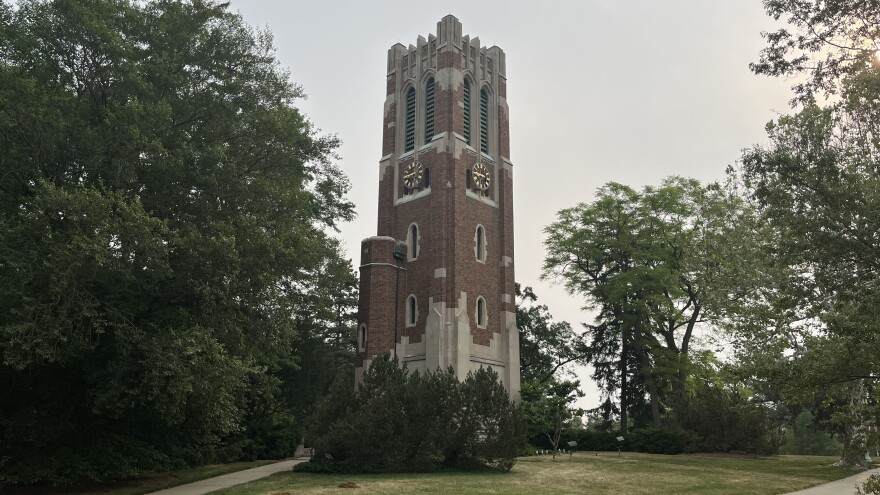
x,y
480,175
412,175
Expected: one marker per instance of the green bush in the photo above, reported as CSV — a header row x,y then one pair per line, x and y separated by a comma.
x,y
415,422
805,438
655,441
871,486
718,419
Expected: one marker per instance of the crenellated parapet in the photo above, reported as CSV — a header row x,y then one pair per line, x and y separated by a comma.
x,y
487,65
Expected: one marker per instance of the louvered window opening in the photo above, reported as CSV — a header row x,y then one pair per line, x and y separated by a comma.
x,y
467,111
484,121
410,140
429,111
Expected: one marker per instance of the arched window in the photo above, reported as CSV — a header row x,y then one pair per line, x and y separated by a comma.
x,y
362,337
429,110
467,110
480,244
484,120
412,311
412,241
481,312
410,137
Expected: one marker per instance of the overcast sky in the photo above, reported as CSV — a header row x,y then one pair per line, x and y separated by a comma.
x,y
630,91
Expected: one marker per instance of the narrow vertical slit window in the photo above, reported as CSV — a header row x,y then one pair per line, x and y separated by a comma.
x,y
410,137
481,312
429,110
484,121
412,316
467,111
427,179
413,241
362,337
481,243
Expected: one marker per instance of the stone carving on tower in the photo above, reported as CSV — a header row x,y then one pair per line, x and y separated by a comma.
x,y
436,282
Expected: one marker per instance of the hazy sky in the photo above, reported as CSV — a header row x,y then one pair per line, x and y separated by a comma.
x,y
629,91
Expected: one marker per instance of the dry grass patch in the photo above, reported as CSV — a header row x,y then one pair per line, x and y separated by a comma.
x,y
607,473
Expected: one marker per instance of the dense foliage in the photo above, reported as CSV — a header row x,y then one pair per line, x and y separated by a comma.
x,y
547,348
648,262
812,332
163,209
401,421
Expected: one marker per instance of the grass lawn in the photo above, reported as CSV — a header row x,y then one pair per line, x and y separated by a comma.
x,y
149,482
631,473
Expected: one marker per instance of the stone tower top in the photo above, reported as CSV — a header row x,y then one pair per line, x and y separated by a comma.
x,y
484,64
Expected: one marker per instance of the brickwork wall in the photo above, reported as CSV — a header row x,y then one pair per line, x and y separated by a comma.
x,y
378,275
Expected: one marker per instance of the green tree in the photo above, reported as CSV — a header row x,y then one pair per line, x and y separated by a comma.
x,y
817,188
647,262
828,42
163,213
548,409
546,347
807,439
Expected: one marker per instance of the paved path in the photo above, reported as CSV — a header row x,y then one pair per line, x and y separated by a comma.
x,y
845,486
211,484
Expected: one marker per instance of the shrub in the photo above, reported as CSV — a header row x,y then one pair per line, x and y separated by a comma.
x,y
655,441
722,420
400,421
871,486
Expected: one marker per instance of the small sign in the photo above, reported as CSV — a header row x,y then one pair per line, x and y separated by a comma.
x,y
572,444
619,439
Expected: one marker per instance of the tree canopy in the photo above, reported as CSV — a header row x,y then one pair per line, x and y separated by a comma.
x,y
164,212
646,262
816,187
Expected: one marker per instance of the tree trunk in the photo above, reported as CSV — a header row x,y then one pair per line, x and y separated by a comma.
x,y
623,387
679,384
856,437
647,372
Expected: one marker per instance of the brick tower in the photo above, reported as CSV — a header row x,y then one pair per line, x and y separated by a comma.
x,y
437,284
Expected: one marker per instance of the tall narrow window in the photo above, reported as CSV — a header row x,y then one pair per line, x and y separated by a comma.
x,y
481,244
429,110
484,121
412,315
413,241
410,138
427,179
481,312
467,111
362,337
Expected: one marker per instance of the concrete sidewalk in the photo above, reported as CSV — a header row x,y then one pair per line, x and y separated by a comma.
x,y
845,486
231,479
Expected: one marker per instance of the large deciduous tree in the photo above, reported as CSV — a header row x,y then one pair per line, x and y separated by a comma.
x,y
646,262
816,186
163,208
